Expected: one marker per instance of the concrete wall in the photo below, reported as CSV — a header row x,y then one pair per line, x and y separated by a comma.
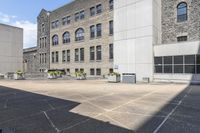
x,y
11,48
137,29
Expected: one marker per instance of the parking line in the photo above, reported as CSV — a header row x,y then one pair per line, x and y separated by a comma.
x,y
50,121
173,110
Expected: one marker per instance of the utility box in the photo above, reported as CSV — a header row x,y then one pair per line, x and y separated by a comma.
x,y
129,78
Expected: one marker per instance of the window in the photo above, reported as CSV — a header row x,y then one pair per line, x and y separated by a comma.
x,y
66,20
76,70
158,64
45,58
68,55
182,38
111,4
111,27
63,56
79,34
92,11
92,72
81,70
92,53
55,24
66,37
57,57
99,9
111,70
82,14
81,54
168,64
92,31
98,49
76,55
178,64
42,27
111,51
98,72
76,16
45,42
52,57
98,30
181,64
182,12
55,40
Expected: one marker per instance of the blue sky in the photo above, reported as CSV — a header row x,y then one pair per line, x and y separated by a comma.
x,y
23,13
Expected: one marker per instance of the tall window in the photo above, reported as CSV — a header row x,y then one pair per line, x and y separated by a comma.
x,y
111,51
98,30
52,57
81,54
82,14
66,37
99,9
68,55
63,56
76,16
111,4
57,57
76,55
55,40
92,31
98,49
111,27
79,34
92,11
92,53
182,12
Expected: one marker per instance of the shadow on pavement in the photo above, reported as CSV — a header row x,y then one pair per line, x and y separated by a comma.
x,y
25,112
182,114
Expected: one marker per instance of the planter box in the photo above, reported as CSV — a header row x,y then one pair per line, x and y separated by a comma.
x,y
18,77
114,79
81,78
52,76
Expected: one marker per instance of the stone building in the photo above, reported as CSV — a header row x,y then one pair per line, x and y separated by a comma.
x,y
30,60
160,39
43,41
81,35
11,49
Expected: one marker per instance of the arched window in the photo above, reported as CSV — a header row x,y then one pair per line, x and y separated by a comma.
x,y
182,12
79,34
66,37
55,40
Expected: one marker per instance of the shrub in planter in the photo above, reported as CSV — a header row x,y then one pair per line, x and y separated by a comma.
x,y
52,75
19,75
114,77
80,75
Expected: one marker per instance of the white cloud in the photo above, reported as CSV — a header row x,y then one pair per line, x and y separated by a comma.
x,y
6,18
30,29
30,32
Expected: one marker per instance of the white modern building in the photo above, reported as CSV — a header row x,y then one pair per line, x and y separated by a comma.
x,y
154,40
11,48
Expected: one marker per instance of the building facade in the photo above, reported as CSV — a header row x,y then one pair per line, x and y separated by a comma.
x,y
43,41
82,37
161,39
30,60
11,48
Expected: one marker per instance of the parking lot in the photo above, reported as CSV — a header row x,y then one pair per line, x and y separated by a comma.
x,y
58,106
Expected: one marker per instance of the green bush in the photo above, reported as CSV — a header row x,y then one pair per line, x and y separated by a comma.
x,y
113,74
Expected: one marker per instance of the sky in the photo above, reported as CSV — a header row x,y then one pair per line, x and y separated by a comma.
x,y
23,14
